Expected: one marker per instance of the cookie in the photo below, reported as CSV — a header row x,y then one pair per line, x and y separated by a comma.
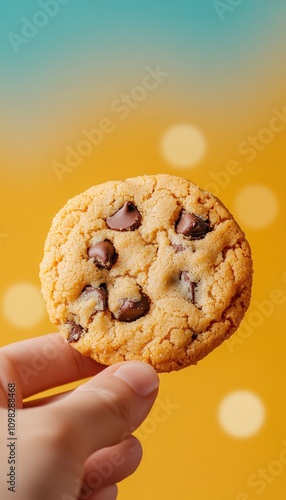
x,y
150,268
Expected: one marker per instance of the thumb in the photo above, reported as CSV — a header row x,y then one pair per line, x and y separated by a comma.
x,y
107,408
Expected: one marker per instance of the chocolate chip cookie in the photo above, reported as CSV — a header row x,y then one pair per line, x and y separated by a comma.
x,y
150,268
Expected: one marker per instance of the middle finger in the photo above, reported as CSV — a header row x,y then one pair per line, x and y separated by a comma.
x,y
111,465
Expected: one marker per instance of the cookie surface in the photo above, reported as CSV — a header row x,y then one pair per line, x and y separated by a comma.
x,y
149,268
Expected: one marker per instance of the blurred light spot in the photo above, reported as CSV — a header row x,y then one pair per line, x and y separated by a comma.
x,y
183,145
23,305
241,414
256,206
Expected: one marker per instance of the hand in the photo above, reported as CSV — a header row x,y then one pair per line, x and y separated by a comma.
x,y
77,445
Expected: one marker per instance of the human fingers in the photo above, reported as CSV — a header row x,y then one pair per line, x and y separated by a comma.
x,y
41,363
108,493
110,465
104,410
98,414
45,400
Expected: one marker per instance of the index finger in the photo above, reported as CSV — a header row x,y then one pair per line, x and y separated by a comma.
x,y
41,363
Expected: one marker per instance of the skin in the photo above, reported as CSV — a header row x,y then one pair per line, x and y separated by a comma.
x,y
76,445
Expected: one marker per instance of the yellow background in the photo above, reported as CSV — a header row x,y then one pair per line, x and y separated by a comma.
x,y
226,77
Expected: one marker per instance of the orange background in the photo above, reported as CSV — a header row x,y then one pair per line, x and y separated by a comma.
x,y
226,78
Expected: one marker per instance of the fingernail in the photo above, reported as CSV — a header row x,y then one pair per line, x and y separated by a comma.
x,y
140,376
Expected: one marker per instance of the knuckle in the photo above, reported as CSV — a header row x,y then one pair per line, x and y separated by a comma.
x,y
117,405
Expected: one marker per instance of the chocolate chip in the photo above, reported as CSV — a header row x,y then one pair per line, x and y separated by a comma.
x,y
132,310
103,253
189,286
191,226
102,298
75,333
127,218
100,293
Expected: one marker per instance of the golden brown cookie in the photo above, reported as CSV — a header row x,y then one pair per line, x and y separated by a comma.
x,y
149,268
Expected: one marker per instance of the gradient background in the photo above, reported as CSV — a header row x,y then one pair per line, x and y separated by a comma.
x,y
226,66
